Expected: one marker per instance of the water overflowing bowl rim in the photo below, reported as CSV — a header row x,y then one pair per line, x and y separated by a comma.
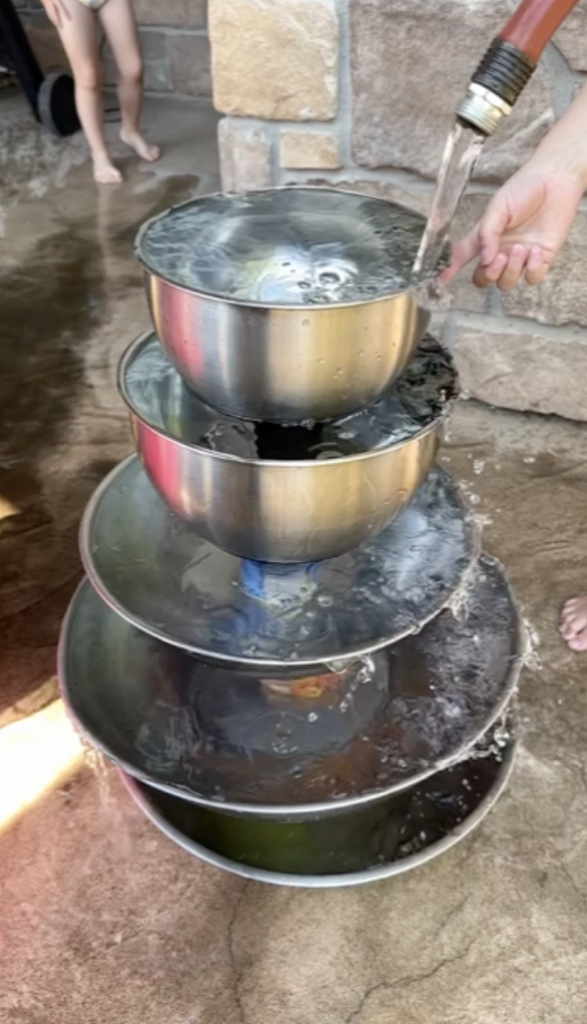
x,y
473,554
292,464
136,790
516,664
294,308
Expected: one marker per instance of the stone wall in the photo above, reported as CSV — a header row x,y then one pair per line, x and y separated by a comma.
x,y
174,41
361,93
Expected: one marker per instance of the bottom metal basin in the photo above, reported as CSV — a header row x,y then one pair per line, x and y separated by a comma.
x,y
352,847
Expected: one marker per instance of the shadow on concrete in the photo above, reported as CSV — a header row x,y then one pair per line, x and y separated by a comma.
x,y
55,308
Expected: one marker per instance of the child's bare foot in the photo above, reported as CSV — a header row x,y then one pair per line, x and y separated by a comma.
x,y
573,624
140,145
105,173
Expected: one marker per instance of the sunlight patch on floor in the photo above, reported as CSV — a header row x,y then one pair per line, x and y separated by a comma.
x,y
8,509
37,754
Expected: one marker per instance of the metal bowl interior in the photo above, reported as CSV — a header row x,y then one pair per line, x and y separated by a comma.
x,y
292,742
286,247
161,576
157,396
365,844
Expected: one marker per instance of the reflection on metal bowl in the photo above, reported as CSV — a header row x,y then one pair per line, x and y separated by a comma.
x,y
292,742
285,494
190,593
352,846
287,304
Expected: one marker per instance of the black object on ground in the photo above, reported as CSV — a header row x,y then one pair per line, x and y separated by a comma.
x,y
50,98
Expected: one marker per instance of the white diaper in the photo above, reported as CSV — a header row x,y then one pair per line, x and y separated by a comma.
x,y
93,5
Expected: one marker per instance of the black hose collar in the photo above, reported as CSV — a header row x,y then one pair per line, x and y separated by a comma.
x,y
504,71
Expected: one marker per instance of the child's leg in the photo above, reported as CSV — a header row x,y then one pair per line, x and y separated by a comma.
x,y
121,30
78,35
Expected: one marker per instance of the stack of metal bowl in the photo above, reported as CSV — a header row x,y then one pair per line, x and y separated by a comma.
x,y
289,640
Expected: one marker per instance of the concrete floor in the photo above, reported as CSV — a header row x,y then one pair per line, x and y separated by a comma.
x,y
103,920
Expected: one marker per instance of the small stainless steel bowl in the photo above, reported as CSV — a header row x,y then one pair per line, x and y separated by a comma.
x,y
281,509
285,304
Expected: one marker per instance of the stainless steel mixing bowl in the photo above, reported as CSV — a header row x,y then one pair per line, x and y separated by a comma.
x,y
291,742
286,304
354,846
273,509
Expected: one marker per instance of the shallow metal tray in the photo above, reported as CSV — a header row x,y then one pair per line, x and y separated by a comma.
x,y
157,573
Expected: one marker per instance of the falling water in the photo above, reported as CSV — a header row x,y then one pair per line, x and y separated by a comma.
x,y
461,152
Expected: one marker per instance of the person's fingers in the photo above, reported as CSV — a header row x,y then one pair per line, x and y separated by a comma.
x,y
463,252
491,228
513,269
64,9
536,268
483,241
484,277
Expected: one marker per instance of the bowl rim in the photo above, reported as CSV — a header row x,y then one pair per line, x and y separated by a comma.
x,y
295,811
473,551
291,464
138,791
307,310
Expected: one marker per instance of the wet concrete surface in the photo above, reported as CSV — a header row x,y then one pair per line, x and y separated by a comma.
x,y
72,298
101,918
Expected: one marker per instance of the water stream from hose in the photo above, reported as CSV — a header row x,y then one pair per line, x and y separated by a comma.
x,y
461,152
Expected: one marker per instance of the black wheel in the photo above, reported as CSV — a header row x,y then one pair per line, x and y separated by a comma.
x,y
56,104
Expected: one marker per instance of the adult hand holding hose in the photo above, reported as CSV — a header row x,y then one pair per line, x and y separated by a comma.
x,y
529,218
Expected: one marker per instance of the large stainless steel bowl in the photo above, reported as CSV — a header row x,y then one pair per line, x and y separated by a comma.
x,y
360,844
292,742
286,304
218,474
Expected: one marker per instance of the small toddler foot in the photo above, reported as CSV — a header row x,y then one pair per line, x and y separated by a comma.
x,y
573,624
105,173
140,145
